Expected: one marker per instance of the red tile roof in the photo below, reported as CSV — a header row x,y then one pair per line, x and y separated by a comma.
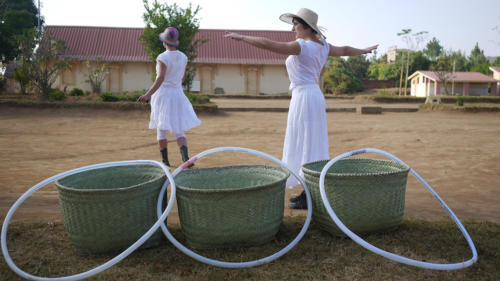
x,y
122,44
458,76
108,43
227,51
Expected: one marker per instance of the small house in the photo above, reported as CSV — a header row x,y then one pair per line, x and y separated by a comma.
x,y
429,83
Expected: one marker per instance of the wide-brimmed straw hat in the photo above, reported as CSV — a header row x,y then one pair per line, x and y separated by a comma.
x,y
309,16
170,36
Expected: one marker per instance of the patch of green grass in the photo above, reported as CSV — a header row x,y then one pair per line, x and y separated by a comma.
x,y
44,249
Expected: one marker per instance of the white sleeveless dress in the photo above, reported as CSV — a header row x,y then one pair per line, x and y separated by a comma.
x,y
170,108
306,138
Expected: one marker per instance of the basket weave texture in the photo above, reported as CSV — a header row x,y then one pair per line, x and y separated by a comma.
x,y
108,209
368,195
230,206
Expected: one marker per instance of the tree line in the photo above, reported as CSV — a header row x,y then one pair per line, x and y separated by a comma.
x,y
343,76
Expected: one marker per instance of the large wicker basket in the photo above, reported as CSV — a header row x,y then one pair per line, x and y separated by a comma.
x,y
108,209
230,206
368,195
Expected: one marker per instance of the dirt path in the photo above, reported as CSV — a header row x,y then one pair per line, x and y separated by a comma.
x,y
458,154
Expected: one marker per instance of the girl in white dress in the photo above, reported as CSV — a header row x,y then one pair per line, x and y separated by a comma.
x,y
306,138
170,108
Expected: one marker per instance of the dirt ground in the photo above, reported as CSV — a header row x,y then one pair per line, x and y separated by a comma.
x,y
457,154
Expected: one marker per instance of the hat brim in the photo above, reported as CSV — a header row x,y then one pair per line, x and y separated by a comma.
x,y
288,18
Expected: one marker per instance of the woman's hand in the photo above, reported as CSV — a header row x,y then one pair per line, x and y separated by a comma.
x,y
144,98
234,35
370,49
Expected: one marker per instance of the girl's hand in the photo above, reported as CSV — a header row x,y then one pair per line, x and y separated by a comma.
x,y
234,35
143,99
370,49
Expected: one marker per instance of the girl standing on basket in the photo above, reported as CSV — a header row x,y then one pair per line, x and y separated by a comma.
x,y
170,108
306,138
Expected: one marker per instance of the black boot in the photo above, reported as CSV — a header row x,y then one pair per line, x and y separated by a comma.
x,y
184,154
164,157
300,203
297,198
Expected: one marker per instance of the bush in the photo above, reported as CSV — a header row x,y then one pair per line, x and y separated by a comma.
x,y
108,97
87,93
56,95
76,92
130,96
3,81
460,101
197,99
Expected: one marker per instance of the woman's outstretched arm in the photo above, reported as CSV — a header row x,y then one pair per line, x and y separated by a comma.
x,y
349,51
286,48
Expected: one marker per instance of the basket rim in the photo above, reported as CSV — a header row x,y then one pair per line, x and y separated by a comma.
x,y
104,190
405,168
251,188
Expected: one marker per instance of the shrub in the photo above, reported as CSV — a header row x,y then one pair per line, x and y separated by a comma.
x,y
56,95
76,92
130,96
108,97
3,81
460,101
197,99
87,93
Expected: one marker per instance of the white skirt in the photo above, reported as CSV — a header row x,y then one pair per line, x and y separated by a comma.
x,y
306,138
172,111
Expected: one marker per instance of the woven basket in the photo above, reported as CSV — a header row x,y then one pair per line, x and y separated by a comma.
x,y
108,209
230,206
368,195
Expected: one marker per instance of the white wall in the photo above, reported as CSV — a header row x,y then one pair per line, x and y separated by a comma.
x,y
274,80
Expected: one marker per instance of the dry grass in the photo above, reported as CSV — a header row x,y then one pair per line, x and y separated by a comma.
x,y
44,249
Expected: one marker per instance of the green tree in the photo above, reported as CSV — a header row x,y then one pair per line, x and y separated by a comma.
x,y
358,66
477,60
418,61
97,73
412,41
338,80
496,62
42,65
17,17
444,70
459,59
160,16
433,49
23,80
384,71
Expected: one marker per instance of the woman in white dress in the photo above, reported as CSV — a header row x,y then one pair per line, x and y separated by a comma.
x,y
170,108
306,138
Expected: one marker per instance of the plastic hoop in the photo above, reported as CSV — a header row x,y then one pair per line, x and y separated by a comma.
x,y
109,263
214,262
391,256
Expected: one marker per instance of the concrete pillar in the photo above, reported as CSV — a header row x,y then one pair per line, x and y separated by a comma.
x,y
493,91
465,91
437,88
427,87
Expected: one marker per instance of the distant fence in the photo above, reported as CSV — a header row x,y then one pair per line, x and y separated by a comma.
x,y
378,84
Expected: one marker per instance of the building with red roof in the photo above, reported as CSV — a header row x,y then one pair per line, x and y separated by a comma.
x,y
430,83
223,65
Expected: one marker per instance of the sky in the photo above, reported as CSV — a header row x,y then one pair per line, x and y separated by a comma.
x,y
457,24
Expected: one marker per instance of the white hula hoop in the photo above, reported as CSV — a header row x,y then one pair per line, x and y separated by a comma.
x,y
218,263
391,256
109,263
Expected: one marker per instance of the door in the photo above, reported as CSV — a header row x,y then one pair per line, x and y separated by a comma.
x,y
252,81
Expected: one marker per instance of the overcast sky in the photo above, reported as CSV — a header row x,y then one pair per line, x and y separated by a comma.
x,y
457,24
